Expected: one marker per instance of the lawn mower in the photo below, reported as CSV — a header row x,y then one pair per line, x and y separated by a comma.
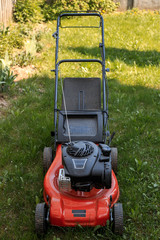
x,y
80,184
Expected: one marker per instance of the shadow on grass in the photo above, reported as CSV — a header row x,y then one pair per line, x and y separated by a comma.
x,y
131,97
141,58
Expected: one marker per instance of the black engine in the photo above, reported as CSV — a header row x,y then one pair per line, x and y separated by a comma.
x,y
87,165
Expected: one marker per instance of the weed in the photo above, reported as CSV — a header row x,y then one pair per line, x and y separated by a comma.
x,y
4,31
38,36
6,76
39,47
30,47
6,79
27,56
22,59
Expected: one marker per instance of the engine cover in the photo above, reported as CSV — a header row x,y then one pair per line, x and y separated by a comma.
x,y
87,164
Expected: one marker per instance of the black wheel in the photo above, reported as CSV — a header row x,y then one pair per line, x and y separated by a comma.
x,y
40,218
114,159
47,158
118,219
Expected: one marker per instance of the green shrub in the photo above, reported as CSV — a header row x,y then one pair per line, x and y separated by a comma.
x,y
51,11
10,38
39,10
28,10
3,42
15,38
48,12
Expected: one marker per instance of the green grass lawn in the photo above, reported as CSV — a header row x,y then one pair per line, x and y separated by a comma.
x,y
133,56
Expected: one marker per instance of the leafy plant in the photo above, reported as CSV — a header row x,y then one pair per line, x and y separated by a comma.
x,y
4,31
5,62
6,76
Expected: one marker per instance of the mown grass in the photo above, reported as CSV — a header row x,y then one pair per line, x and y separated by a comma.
x,y
133,56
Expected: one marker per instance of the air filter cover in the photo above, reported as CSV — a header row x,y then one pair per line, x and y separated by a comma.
x,y
79,158
80,149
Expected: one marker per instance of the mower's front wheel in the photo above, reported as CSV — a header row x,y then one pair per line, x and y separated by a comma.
x,y
41,218
118,218
47,158
114,159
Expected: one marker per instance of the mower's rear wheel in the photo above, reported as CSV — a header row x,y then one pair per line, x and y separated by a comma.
x,y
114,159
118,218
47,158
40,218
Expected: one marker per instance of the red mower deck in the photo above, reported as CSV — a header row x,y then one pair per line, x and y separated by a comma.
x,y
72,208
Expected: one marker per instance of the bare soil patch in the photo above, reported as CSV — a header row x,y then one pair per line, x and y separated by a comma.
x,y
23,73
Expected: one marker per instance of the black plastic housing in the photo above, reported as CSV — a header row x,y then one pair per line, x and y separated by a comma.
x,y
86,125
89,171
82,97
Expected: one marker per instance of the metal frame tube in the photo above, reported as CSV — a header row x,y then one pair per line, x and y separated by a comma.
x,y
57,63
69,14
103,73
79,60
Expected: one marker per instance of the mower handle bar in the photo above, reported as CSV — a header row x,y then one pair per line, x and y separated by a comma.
x,y
79,60
80,13
74,11
70,14
57,63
